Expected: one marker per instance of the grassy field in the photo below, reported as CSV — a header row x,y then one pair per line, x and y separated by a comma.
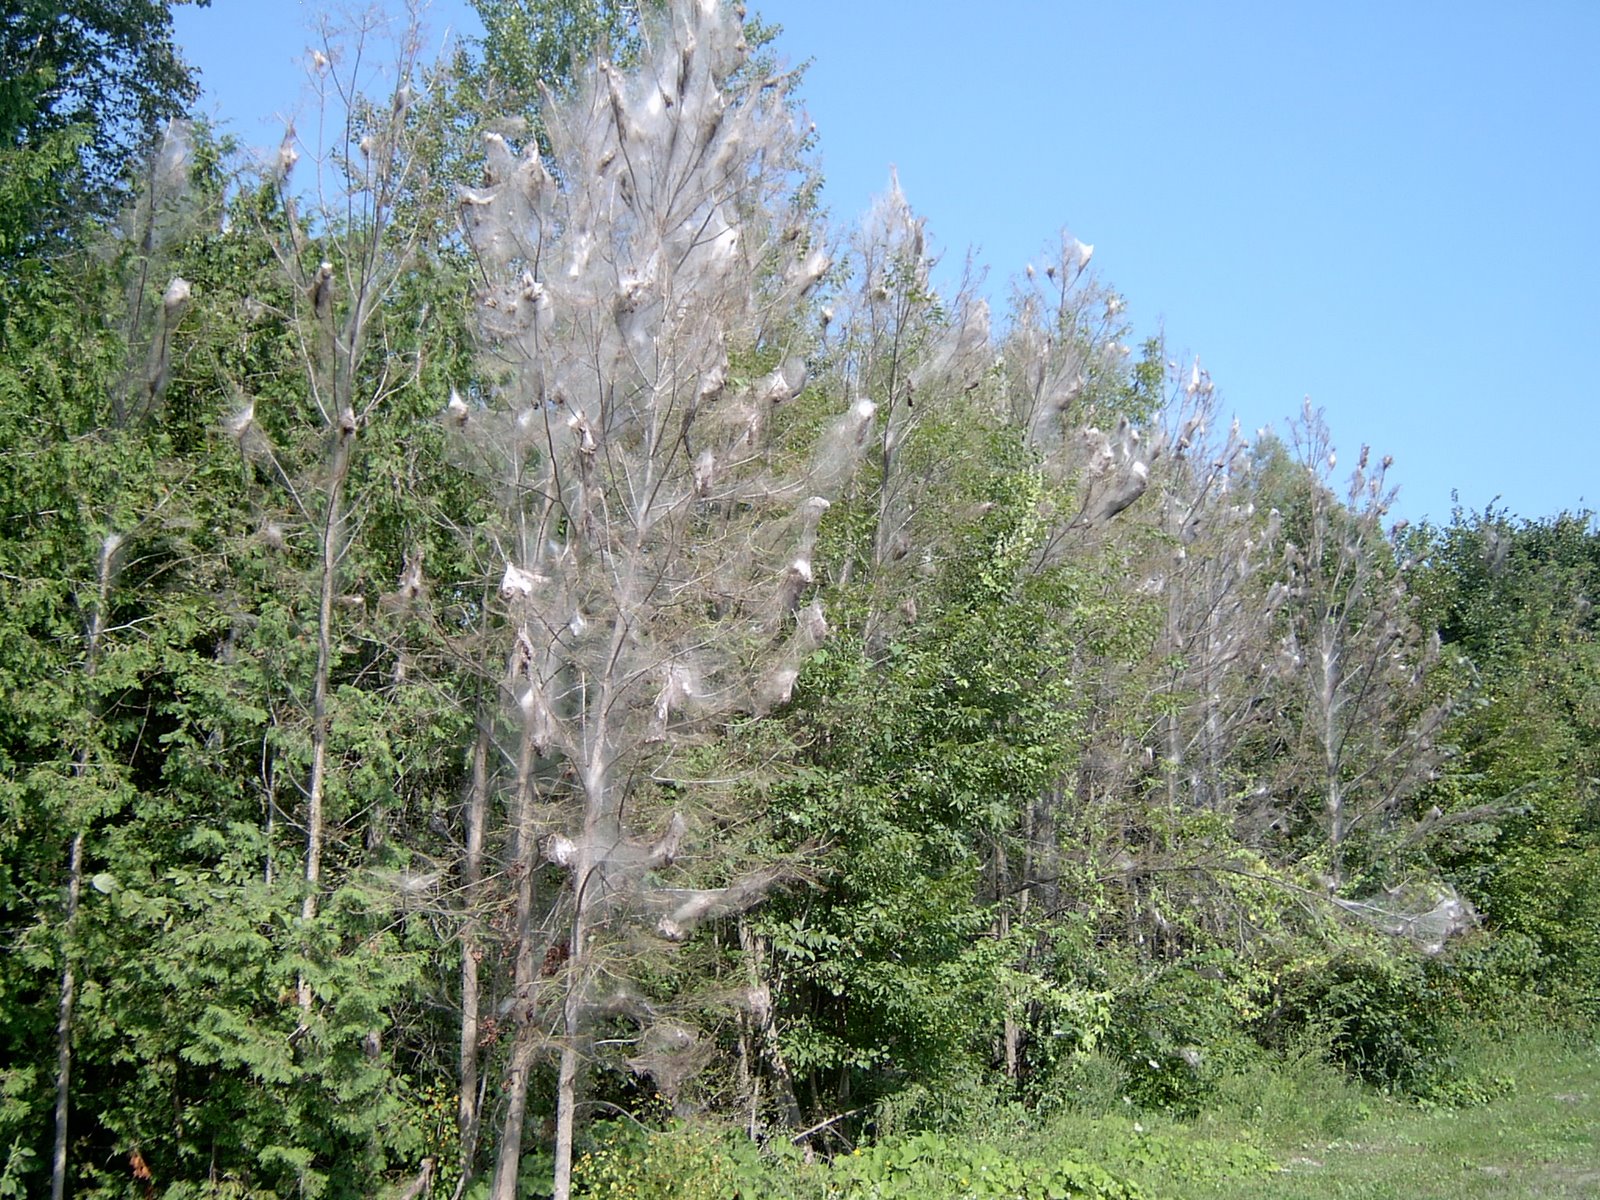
x,y
1332,1141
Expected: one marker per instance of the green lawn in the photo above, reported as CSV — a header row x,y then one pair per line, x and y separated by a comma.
x,y
1333,1142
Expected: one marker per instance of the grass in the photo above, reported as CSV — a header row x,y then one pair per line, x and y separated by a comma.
x,y
1283,1129
1331,1140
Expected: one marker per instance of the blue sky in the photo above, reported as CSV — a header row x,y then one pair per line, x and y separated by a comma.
x,y
1390,208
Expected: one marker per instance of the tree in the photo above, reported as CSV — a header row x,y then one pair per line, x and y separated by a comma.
x,y
1217,643
660,508
1359,729
94,78
79,397
532,45
923,760
1514,820
965,572
344,319
217,456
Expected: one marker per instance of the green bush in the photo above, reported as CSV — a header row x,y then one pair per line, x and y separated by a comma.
x,y
966,1105
1294,1096
1386,1020
930,1167
691,1162
1178,1034
682,1162
1090,1082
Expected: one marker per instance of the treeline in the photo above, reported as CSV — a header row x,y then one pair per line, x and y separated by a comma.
x,y
508,619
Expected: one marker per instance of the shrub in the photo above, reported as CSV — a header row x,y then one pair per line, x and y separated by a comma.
x,y
683,1162
692,1162
1178,1034
931,1167
1386,1020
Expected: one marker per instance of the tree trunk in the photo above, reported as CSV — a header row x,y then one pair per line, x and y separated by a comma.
x,y
509,1159
472,948
566,1102
1011,1032
58,1163
763,1013
332,552
525,974
69,982
1333,791
269,787
598,818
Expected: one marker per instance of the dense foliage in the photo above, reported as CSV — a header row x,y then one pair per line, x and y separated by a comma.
x,y
529,626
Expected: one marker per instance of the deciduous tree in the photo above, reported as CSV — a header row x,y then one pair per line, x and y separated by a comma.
x,y
660,508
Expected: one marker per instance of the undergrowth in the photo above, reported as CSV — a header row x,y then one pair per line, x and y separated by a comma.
x,y
1290,1124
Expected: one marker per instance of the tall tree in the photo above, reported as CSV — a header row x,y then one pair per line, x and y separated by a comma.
x,y
343,327
105,72
224,671
1359,725
660,509
532,45
85,490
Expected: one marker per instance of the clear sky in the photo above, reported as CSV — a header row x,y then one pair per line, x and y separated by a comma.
x,y
1390,207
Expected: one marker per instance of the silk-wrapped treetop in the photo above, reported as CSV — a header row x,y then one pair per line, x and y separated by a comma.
x,y
641,284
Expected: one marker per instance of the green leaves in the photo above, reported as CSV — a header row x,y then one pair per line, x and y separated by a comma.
x,y
921,765
685,1161
1512,601
1044,775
